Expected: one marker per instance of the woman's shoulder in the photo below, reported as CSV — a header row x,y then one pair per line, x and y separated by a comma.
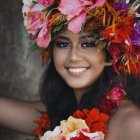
x,y
125,122
130,118
129,112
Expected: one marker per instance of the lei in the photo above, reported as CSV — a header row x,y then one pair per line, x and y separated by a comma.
x,y
83,124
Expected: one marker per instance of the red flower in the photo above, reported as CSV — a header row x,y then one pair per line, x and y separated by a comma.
x,y
130,61
44,124
99,126
44,56
95,120
80,136
81,114
93,115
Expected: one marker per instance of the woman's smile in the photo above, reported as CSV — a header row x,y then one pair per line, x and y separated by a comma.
x,y
77,71
77,59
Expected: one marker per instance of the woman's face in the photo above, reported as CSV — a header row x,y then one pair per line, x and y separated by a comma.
x,y
77,59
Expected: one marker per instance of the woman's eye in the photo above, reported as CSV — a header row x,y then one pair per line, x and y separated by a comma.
x,y
62,45
88,45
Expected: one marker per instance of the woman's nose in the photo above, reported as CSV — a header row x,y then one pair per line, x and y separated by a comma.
x,y
74,54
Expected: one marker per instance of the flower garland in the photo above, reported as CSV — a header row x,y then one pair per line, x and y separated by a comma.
x,y
83,124
116,21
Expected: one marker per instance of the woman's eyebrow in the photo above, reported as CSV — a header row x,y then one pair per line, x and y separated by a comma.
x,y
86,36
62,37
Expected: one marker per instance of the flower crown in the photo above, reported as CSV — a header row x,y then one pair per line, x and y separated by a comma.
x,y
116,21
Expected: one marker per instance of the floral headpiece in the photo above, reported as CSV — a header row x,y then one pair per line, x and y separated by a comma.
x,y
117,22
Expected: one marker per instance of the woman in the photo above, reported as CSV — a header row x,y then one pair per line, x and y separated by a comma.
x,y
83,39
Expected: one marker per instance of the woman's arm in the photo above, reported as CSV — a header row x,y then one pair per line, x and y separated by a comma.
x,y
19,115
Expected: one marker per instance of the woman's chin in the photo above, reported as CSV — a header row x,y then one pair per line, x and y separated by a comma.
x,y
75,85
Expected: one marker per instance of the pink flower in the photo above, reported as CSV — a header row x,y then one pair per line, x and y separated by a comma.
x,y
76,24
33,16
77,10
116,95
35,21
46,2
44,37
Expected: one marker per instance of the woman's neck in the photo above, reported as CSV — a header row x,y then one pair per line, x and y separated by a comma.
x,y
80,92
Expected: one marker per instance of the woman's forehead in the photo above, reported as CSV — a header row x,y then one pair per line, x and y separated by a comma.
x,y
82,34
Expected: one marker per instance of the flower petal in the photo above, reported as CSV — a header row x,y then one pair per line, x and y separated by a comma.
x,y
98,3
44,36
46,2
70,8
76,23
28,2
37,8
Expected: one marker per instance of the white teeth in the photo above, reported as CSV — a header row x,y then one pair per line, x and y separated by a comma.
x,y
77,69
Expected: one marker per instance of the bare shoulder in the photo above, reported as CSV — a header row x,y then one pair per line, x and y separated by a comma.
x,y
124,123
130,121
130,112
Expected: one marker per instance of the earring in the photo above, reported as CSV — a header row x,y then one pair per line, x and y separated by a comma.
x,y
107,63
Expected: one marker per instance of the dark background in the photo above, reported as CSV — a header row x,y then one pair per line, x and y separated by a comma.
x,y
19,77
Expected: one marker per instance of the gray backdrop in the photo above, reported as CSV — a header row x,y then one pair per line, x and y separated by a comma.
x,y
19,77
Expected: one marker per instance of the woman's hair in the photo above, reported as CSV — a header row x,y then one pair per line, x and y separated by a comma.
x,y
133,89
60,99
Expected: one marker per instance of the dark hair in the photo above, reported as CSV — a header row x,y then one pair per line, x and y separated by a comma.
x,y
133,89
60,99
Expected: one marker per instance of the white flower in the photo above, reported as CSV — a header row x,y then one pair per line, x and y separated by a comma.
x,y
52,134
72,124
28,2
72,128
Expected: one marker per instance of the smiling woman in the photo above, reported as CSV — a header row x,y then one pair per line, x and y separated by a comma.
x,y
92,50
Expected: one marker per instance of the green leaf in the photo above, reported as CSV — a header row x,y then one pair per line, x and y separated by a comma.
x,y
57,28
35,2
49,8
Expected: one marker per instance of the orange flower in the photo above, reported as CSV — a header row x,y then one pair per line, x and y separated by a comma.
x,y
120,31
56,18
